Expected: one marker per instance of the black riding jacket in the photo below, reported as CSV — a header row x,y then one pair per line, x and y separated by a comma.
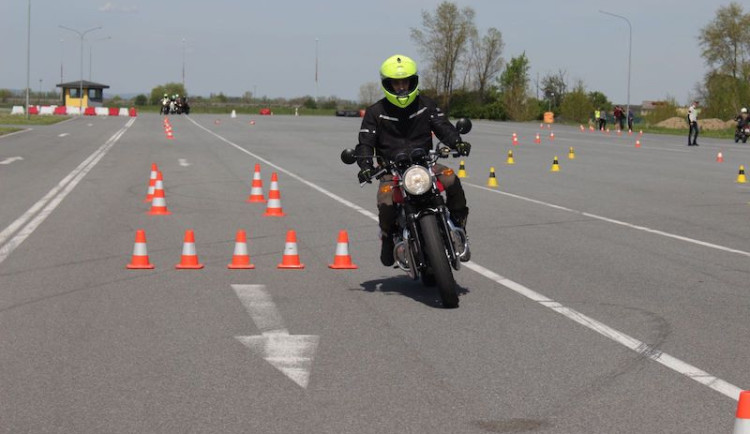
x,y
387,130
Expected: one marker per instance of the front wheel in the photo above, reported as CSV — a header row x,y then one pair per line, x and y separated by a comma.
x,y
435,252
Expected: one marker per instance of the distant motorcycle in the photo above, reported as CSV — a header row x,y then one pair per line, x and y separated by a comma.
x,y
742,133
164,109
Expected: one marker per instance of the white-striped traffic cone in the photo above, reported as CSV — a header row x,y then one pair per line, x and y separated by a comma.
x,y
290,259
274,199
159,202
256,193
151,183
140,261
189,259
742,418
342,260
240,258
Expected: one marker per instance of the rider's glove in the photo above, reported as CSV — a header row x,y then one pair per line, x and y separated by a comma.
x,y
463,148
365,175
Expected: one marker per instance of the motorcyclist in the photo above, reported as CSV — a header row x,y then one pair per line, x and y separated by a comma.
x,y
405,120
742,119
165,104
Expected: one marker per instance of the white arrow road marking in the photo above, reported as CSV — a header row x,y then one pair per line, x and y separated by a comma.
x,y
63,134
291,354
10,160
183,162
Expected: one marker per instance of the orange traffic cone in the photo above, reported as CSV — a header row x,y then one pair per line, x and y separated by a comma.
x,y
551,137
742,417
538,139
290,260
189,259
159,202
169,135
274,199
240,259
637,143
719,157
151,183
342,260
256,193
140,261
515,139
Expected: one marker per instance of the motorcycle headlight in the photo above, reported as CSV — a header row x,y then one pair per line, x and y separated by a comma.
x,y
417,180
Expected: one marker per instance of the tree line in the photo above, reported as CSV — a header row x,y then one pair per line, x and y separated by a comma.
x,y
465,71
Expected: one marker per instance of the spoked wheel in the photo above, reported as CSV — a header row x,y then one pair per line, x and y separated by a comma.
x,y
441,269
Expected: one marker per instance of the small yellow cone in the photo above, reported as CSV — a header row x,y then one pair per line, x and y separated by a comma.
x,y
510,159
462,170
741,178
492,180
555,165
571,154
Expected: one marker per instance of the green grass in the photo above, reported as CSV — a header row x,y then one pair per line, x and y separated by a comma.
x,y
8,130
6,119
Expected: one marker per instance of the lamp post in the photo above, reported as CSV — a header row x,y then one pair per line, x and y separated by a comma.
x,y
80,83
91,49
28,61
630,50
183,65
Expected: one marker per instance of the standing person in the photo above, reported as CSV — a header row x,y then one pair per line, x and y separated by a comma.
x,y
602,120
630,120
617,113
597,121
693,121
405,120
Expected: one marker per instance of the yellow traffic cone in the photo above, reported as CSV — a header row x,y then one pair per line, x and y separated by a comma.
x,y
492,180
462,170
741,178
555,165
510,158
571,154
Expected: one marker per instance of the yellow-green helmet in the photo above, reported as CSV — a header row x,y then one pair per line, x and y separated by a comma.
x,y
399,67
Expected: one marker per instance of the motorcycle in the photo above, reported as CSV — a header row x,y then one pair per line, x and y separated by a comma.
x,y
164,109
742,133
427,243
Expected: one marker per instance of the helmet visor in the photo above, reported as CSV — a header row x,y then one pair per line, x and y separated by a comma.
x,y
401,87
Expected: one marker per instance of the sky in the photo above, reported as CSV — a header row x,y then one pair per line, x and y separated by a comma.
x,y
269,48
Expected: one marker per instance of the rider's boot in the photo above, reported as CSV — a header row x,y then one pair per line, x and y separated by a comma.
x,y
386,250
459,219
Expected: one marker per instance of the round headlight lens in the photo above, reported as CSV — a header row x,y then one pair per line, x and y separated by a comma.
x,y
417,180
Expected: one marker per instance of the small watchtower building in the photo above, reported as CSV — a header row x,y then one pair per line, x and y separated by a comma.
x,y
93,93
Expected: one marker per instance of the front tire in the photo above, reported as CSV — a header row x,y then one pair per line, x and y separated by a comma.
x,y
436,255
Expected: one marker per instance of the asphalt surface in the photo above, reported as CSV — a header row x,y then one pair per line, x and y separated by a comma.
x,y
609,297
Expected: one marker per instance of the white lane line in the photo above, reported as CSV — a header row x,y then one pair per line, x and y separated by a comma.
x,y
727,389
183,162
53,198
617,222
10,160
673,363
63,134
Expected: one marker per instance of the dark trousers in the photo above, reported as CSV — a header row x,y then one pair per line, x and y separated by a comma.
x,y
693,133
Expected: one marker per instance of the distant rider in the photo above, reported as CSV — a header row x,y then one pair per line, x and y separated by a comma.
x,y
742,119
405,120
